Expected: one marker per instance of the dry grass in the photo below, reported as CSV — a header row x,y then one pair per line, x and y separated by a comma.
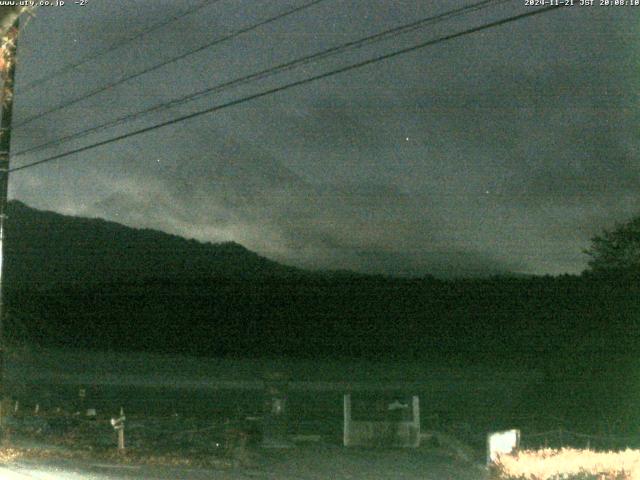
x,y
84,440
568,463
131,457
8,454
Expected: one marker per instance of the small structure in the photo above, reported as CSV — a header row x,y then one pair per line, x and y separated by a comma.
x,y
394,423
502,443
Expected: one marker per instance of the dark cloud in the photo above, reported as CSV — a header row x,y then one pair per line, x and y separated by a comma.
x,y
505,150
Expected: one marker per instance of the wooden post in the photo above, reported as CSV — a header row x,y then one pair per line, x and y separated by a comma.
x,y
416,412
8,58
121,431
488,440
347,420
82,395
416,419
121,440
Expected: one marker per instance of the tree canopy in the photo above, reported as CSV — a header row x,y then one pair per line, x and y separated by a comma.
x,y
616,251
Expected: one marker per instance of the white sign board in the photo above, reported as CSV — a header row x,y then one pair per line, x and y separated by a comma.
x,y
500,443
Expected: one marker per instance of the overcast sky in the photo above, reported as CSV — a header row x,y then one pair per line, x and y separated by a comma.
x,y
504,150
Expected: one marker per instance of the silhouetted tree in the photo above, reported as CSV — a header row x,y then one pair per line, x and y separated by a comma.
x,y
616,251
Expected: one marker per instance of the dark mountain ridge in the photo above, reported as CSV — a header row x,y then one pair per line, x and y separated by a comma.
x,y
47,249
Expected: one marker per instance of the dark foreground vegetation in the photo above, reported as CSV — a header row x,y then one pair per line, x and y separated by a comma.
x,y
572,317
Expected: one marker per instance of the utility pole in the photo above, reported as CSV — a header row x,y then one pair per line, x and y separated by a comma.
x,y
8,59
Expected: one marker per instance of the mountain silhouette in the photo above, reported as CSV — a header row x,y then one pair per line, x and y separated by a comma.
x,y
47,249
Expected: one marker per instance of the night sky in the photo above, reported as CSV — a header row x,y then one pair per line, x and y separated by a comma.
x,y
504,150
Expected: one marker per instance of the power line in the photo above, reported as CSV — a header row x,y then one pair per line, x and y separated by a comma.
x,y
293,84
115,46
169,61
272,70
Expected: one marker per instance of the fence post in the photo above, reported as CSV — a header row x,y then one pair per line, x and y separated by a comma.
x,y
82,395
347,420
416,418
121,440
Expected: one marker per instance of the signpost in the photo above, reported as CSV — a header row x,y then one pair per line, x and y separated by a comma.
x,y
118,426
502,443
